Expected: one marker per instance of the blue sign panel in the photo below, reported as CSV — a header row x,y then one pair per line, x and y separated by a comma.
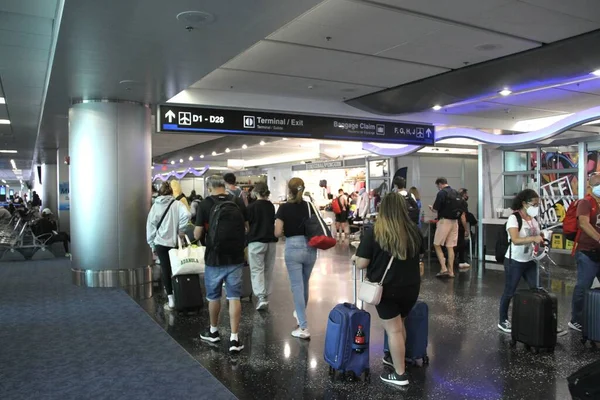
x,y
185,119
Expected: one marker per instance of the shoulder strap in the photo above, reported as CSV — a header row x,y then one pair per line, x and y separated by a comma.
x,y
519,220
387,269
164,215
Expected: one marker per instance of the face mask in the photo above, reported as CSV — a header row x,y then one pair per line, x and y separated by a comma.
x,y
596,191
533,211
466,198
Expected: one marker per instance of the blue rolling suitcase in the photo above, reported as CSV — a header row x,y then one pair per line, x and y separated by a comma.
x,y
347,340
417,331
591,317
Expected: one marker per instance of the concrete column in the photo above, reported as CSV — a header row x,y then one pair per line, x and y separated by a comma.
x,y
49,193
110,150
64,202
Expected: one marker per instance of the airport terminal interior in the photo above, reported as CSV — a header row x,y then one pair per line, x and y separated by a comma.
x,y
119,115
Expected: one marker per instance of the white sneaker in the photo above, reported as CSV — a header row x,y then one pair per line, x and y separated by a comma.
x,y
575,326
301,333
167,307
171,304
505,326
464,265
297,320
262,305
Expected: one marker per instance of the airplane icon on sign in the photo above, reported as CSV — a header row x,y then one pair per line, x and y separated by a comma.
x,y
185,118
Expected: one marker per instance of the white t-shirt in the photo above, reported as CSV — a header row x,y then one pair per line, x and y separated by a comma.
x,y
522,252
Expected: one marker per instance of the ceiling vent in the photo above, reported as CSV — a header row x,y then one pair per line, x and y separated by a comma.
x,y
195,19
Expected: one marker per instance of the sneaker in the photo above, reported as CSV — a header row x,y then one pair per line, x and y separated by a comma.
x,y
167,307
575,326
68,255
464,265
235,346
387,359
262,305
395,379
297,320
210,337
301,333
505,326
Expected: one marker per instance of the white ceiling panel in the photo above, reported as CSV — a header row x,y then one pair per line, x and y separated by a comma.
x,y
541,20
287,59
537,23
456,46
454,9
279,85
585,9
356,27
14,56
3,112
5,130
23,39
23,95
500,111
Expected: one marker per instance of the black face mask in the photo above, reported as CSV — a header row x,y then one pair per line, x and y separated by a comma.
x,y
466,198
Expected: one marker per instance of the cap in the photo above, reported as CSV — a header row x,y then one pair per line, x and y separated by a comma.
x,y
47,211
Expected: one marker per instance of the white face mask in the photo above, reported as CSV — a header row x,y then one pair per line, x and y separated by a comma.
x,y
533,211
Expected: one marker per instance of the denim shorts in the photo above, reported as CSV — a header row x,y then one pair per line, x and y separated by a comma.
x,y
215,276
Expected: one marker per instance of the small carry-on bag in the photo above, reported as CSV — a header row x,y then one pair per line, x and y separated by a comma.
x,y
417,331
347,340
187,293
535,317
318,234
591,317
583,384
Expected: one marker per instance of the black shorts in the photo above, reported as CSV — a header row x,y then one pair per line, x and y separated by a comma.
x,y
397,301
343,217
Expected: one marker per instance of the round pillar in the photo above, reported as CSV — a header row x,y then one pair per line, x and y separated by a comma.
x,y
49,194
110,152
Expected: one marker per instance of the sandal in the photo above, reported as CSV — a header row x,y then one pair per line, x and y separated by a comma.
x,y
442,274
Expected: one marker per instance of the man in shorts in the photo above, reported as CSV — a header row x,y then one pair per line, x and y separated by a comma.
x,y
446,233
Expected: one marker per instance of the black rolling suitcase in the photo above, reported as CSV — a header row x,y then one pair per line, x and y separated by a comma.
x,y
187,293
535,318
591,317
583,384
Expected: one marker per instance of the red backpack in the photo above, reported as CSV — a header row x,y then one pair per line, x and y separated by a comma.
x,y
335,206
570,226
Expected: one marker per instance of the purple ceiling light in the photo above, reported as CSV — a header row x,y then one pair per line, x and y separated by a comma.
x,y
176,175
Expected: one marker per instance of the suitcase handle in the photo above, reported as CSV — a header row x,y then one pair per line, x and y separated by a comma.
x,y
355,284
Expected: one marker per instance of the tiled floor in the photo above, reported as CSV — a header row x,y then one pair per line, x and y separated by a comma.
x,y
470,358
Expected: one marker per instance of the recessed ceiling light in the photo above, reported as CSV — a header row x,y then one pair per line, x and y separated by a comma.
x,y
285,138
180,160
173,162
227,150
201,155
3,181
2,100
191,158
437,107
596,72
214,153
4,121
8,151
262,143
505,92
244,147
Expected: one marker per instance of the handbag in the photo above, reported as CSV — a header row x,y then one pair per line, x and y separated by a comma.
x,y
371,292
319,236
187,260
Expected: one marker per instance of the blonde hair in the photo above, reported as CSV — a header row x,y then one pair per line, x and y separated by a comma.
x,y
296,189
394,230
415,192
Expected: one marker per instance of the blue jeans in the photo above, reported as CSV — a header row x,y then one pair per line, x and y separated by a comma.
x,y
587,270
514,271
214,278
299,260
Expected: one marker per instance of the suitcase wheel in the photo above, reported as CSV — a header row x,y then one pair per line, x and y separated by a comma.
x,y
368,375
594,345
350,376
551,349
513,343
535,350
527,347
419,362
331,371
426,359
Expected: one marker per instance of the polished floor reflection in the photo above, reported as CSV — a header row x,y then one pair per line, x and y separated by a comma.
x,y
470,358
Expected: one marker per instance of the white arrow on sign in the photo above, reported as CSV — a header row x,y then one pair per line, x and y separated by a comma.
x,y
170,115
428,132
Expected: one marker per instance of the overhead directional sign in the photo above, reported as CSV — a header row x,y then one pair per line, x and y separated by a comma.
x,y
185,119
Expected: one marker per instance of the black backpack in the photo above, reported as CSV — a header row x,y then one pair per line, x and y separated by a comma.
x,y
453,206
503,241
226,230
413,208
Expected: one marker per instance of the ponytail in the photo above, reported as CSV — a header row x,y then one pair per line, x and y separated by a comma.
x,y
296,189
